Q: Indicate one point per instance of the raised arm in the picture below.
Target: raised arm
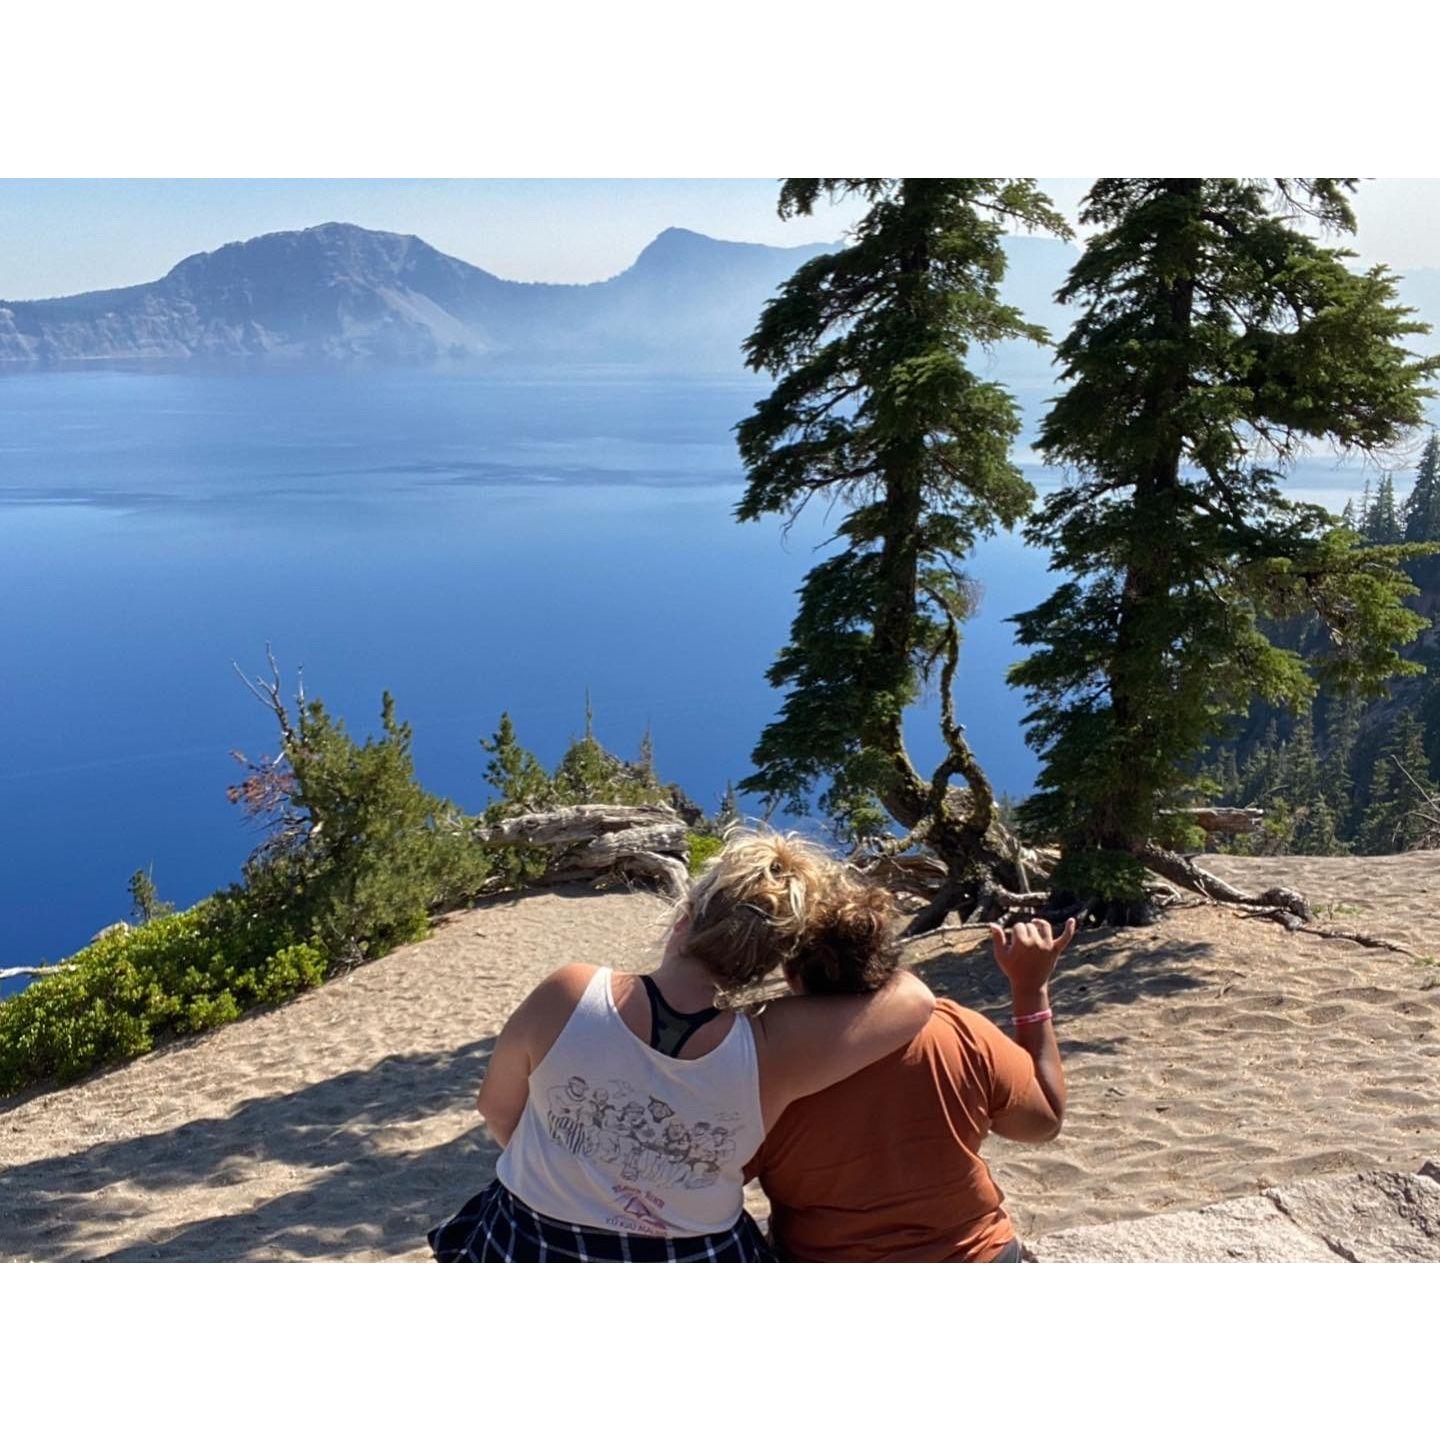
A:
(1027, 956)
(809, 1042)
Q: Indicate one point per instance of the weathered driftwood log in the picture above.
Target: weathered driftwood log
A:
(919, 874)
(1222, 819)
(586, 842)
(16, 971)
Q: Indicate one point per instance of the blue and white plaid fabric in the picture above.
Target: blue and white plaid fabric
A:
(494, 1228)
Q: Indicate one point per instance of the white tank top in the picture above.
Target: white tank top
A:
(616, 1136)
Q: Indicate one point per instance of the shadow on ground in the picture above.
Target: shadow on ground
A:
(1091, 976)
(363, 1185)
(358, 1186)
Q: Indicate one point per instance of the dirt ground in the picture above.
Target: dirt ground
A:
(1207, 1057)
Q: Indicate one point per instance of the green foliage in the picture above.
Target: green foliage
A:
(519, 780)
(360, 854)
(1382, 520)
(1215, 339)
(1327, 770)
(1422, 505)
(1391, 820)
(521, 785)
(145, 901)
(702, 848)
(175, 975)
(1100, 874)
(876, 406)
(587, 774)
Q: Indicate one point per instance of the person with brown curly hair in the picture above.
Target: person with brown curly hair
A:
(886, 1164)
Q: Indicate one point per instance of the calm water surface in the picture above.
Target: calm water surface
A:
(472, 545)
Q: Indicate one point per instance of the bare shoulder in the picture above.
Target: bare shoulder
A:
(549, 1004)
(568, 980)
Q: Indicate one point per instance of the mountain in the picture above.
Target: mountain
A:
(340, 294)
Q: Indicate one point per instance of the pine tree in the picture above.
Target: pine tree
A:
(1391, 822)
(729, 811)
(1382, 525)
(1342, 732)
(1215, 339)
(876, 406)
(1422, 505)
(519, 780)
(1320, 834)
(145, 902)
(1347, 515)
(1302, 774)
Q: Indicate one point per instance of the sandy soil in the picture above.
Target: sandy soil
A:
(1207, 1057)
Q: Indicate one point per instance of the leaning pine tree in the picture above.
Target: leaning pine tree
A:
(875, 407)
(1216, 339)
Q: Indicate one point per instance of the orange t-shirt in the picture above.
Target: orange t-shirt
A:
(886, 1165)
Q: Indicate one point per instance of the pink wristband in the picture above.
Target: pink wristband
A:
(1034, 1019)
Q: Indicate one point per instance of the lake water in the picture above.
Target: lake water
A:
(473, 545)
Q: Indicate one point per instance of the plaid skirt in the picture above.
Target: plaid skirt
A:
(496, 1228)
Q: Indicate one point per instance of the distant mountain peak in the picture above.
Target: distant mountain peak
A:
(676, 247)
(338, 294)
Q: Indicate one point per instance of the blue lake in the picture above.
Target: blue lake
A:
(471, 544)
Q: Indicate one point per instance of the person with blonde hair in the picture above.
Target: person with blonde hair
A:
(627, 1105)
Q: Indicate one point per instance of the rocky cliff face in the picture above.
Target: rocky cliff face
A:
(340, 294)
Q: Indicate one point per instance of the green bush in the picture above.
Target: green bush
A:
(360, 855)
(702, 847)
(1100, 874)
(176, 975)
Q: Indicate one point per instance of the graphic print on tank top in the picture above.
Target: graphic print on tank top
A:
(638, 1136)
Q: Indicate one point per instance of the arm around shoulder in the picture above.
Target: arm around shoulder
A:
(810, 1042)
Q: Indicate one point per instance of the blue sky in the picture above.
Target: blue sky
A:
(62, 236)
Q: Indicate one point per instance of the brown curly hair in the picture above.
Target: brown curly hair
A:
(849, 946)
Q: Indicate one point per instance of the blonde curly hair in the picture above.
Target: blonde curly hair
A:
(752, 905)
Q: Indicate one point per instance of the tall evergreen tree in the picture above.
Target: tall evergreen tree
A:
(1341, 733)
(1422, 505)
(1216, 338)
(1383, 525)
(1392, 820)
(877, 406)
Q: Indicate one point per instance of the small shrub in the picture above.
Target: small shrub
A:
(179, 974)
(1101, 874)
(702, 847)
(359, 854)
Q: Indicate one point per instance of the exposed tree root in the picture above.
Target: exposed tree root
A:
(1331, 932)
(1183, 886)
(1185, 873)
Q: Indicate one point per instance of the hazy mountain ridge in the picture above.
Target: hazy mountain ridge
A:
(339, 294)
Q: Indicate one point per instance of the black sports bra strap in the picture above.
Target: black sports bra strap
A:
(671, 1028)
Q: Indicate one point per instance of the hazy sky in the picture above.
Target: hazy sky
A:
(62, 236)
